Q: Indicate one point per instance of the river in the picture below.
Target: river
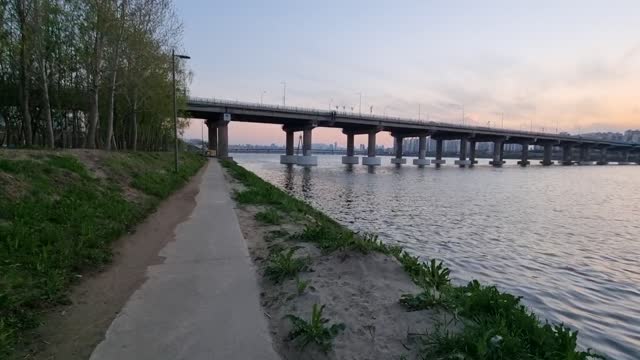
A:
(566, 239)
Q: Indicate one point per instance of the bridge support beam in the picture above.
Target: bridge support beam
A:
(422, 160)
(604, 159)
(307, 159)
(212, 134)
(624, 160)
(524, 158)
(350, 159)
(585, 155)
(472, 153)
(498, 153)
(371, 159)
(548, 152)
(398, 160)
(289, 158)
(462, 160)
(567, 154)
(438, 161)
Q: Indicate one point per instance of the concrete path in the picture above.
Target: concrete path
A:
(202, 302)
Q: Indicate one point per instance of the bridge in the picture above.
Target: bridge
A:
(218, 113)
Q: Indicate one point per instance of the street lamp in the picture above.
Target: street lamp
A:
(175, 105)
(360, 104)
(284, 93)
(261, 96)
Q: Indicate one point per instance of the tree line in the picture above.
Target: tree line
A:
(88, 73)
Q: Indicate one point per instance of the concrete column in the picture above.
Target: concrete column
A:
(603, 157)
(585, 155)
(212, 131)
(289, 158)
(371, 159)
(307, 159)
(350, 159)
(462, 162)
(567, 154)
(421, 161)
(498, 153)
(625, 157)
(472, 153)
(524, 158)
(438, 161)
(548, 152)
(223, 140)
(398, 160)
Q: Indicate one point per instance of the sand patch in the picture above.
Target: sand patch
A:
(360, 291)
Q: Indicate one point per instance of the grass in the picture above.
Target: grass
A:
(315, 331)
(58, 221)
(495, 325)
(269, 216)
(283, 265)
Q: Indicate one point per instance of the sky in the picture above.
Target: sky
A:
(567, 65)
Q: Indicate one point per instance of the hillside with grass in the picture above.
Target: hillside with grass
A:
(59, 214)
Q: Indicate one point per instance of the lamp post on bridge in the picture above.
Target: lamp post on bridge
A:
(284, 93)
(175, 105)
(262, 95)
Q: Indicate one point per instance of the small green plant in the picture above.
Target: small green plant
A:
(301, 285)
(269, 216)
(283, 265)
(316, 331)
(434, 275)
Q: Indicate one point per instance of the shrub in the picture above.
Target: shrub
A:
(316, 331)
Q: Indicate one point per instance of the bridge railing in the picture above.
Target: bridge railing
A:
(399, 120)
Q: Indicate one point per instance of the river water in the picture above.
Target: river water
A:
(567, 239)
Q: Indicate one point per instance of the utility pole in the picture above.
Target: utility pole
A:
(175, 105)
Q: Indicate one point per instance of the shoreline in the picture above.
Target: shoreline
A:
(428, 316)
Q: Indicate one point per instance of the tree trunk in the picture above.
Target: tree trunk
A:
(94, 86)
(46, 107)
(134, 120)
(24, 74)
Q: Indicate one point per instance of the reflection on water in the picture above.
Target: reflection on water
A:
(567, 239)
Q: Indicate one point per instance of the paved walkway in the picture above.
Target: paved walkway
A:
(203, 301)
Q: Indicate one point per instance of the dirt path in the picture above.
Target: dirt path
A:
(72, 332)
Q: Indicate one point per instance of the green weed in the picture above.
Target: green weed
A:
(269, 216)
(283, 265)
(316, 331)
(301, 285)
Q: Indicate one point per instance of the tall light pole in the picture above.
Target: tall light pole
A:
(284, 93)
(419, 105)
(502, 118)
(262, 95)
(462, 115)
(360, 104)
(175, 105)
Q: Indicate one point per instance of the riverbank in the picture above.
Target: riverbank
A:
(59, 214)
(408, 309)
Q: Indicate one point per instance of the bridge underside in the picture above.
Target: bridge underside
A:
(218, 114)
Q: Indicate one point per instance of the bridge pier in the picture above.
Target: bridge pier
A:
(604, 158)
(524, 158)
(498, 153)
(462, 162)
(438, 161)
(398, 160)
(422, 160)
(307, 159)
(548, 152)
(472, 153)
(585, 155)
(212, 132)
(567, 154)
(350, 159)
(371, 159)
(289, 158)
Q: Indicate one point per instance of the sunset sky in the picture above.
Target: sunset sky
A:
(570, 64)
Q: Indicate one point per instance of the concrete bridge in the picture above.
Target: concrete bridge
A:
(575, 149)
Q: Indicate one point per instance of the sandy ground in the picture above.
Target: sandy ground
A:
(361, 291)
(72, 332)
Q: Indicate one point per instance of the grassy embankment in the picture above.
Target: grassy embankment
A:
(494, 325)
(58, 219)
